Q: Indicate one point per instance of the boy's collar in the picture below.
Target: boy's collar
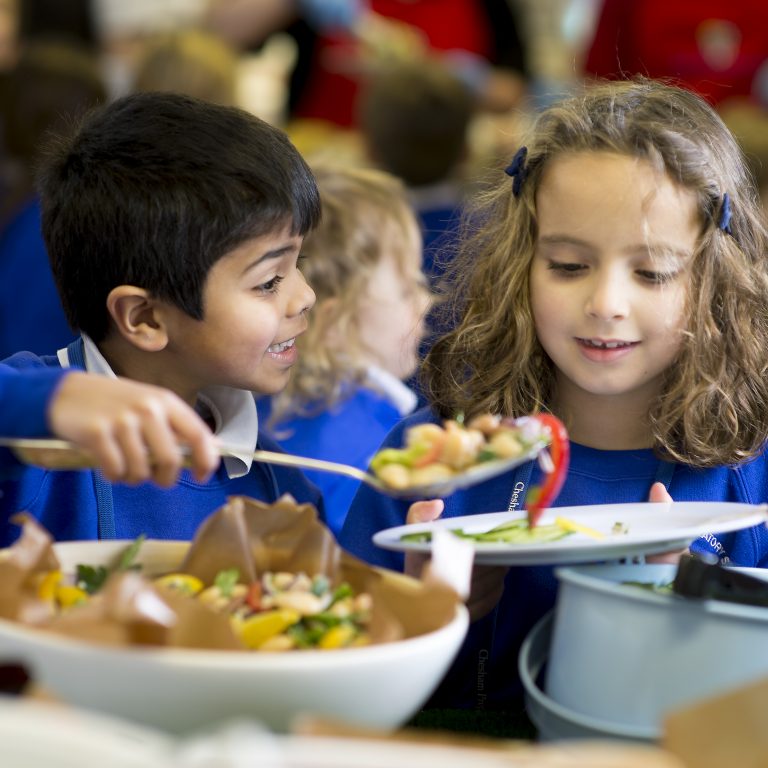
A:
(233, 410)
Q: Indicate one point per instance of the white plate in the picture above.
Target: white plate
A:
(652, 528)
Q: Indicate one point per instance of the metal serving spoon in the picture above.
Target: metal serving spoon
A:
(63, 455)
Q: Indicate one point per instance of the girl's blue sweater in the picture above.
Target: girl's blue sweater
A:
(485, 673)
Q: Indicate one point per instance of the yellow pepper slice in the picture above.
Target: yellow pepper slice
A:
(182, 582)
(68, 595)
(46, 586)
(258, 628)
(337, 637)
(574, 527)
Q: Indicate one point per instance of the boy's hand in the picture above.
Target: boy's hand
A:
(134, 431)
(487, 580)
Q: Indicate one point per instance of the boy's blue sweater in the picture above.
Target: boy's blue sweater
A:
(65, 502)
(485, 673)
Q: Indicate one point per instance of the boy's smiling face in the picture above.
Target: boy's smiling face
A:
(255, 302)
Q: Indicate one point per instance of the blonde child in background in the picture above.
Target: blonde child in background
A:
(616, 278)
(346, 391)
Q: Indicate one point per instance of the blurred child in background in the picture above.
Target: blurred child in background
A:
(51, 84)
(190, 61)
(414, 119)
(346, 391)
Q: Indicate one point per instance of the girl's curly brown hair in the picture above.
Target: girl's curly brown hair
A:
(713, 408)
(366, 217)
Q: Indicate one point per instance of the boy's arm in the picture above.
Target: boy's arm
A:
(121, 423)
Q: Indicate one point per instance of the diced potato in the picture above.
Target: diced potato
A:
(278, 643)
(424, 433)
(304, 603)
(505, 444)
(461, 446)
(487, 423)
(394, 475)
(432, 473)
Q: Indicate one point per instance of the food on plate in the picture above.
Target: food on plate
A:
(518, 531)
(515, 531)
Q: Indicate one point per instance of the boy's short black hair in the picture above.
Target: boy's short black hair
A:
(153, 189)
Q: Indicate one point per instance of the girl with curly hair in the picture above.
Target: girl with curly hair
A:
(616, 277)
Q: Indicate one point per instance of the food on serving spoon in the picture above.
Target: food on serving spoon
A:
(433, 453)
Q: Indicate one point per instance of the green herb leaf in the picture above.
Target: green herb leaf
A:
(91, 578)
(342, 591)
(226, 580)
(125, 563)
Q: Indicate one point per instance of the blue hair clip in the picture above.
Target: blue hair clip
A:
(518, 170)
(725, 215)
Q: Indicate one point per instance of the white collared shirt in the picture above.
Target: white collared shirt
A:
(233, 411)
(400, 395)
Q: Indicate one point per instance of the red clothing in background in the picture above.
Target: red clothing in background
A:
(716, 48)
(461, 25)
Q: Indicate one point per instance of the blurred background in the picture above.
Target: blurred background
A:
(434, 91)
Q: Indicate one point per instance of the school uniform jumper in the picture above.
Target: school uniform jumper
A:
(350, 432)
(83, 505)
(485, 673)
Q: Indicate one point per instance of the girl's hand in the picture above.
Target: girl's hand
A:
(134, 431)
(421, 512)
(487, 580)
(659, 494)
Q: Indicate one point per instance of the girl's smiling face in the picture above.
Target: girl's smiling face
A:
(609, 277)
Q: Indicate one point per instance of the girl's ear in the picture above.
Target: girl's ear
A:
(137, 317)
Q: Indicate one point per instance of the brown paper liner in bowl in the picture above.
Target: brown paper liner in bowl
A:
(245, 534)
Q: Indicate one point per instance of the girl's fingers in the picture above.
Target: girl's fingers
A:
(425, 511)
(421, 512)
(659, 493)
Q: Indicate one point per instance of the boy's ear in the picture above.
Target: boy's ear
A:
(137, 317)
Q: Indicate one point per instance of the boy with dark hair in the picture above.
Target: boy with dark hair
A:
(174, 228)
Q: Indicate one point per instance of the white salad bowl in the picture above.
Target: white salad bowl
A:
(181, 690)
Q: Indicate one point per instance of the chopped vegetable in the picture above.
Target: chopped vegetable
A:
(433, 453)
(573, 526)
(513, 532)
(539, 498)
